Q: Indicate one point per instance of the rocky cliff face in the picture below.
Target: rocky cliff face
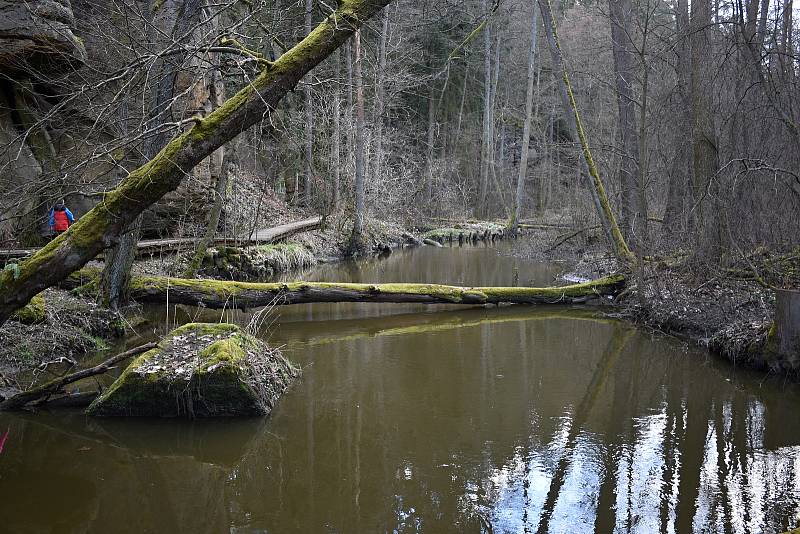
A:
(37, 46)
(69, 134)
(36, 37)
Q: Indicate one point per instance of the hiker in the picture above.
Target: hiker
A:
(60, 218)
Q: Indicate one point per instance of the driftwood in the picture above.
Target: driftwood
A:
(45, 390)
(230, 294)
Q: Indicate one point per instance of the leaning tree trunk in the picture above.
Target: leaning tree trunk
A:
(526, 129)
(598, 192)
(102, 226)
(356, 240)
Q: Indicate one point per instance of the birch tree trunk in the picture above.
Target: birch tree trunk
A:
(356, 240)
(526, 129)
(102, 226)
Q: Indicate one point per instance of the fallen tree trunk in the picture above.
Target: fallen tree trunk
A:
(102, 226)
(45, 390)
(227, 294)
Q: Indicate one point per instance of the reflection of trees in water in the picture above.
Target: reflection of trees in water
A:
(500, 421)
(655, 467)
(681, 450)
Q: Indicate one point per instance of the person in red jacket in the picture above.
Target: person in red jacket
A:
(60, 218)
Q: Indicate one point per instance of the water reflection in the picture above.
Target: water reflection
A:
(482, 420)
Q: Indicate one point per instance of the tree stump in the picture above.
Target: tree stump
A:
(787, 322)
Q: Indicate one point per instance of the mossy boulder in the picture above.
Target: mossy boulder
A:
(256, 263)
(200, 370)
(32, 313)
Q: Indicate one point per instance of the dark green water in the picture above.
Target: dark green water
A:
(406, 419)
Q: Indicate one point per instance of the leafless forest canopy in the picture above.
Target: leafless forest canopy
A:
(691, 113)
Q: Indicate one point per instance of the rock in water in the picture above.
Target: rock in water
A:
(200, 370)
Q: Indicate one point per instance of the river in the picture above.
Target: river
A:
(433, 419)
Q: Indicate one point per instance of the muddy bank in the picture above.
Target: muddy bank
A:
(72, 327)
(729, 310)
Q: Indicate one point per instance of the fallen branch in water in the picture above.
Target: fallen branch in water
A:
(230, 294)
(45, 390)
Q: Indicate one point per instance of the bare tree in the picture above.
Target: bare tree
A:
(526, 129)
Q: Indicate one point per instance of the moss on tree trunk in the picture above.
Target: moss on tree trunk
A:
(101, 227)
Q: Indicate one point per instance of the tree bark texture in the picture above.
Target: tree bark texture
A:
(675, 216)
(787, 322)
(336, 142)
(360, 149)
(380, 96)
(101, 227)
(483, 180)
(219, 178)
(709, 211)
(620, 13)
(526, 129)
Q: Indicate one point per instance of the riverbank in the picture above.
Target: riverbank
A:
(727, 310)
(70, 327)
(73, 324)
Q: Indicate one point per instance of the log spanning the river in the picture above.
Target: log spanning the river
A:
(243, 295)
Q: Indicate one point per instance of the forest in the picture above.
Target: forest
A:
(455, 265)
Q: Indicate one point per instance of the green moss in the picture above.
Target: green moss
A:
(33, 312)
(225, 351)
(219, 385)
(146, 184)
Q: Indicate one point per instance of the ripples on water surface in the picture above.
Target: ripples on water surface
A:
(406, 419)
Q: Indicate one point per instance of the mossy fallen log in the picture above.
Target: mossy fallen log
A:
(229, 294)
(33, 312)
